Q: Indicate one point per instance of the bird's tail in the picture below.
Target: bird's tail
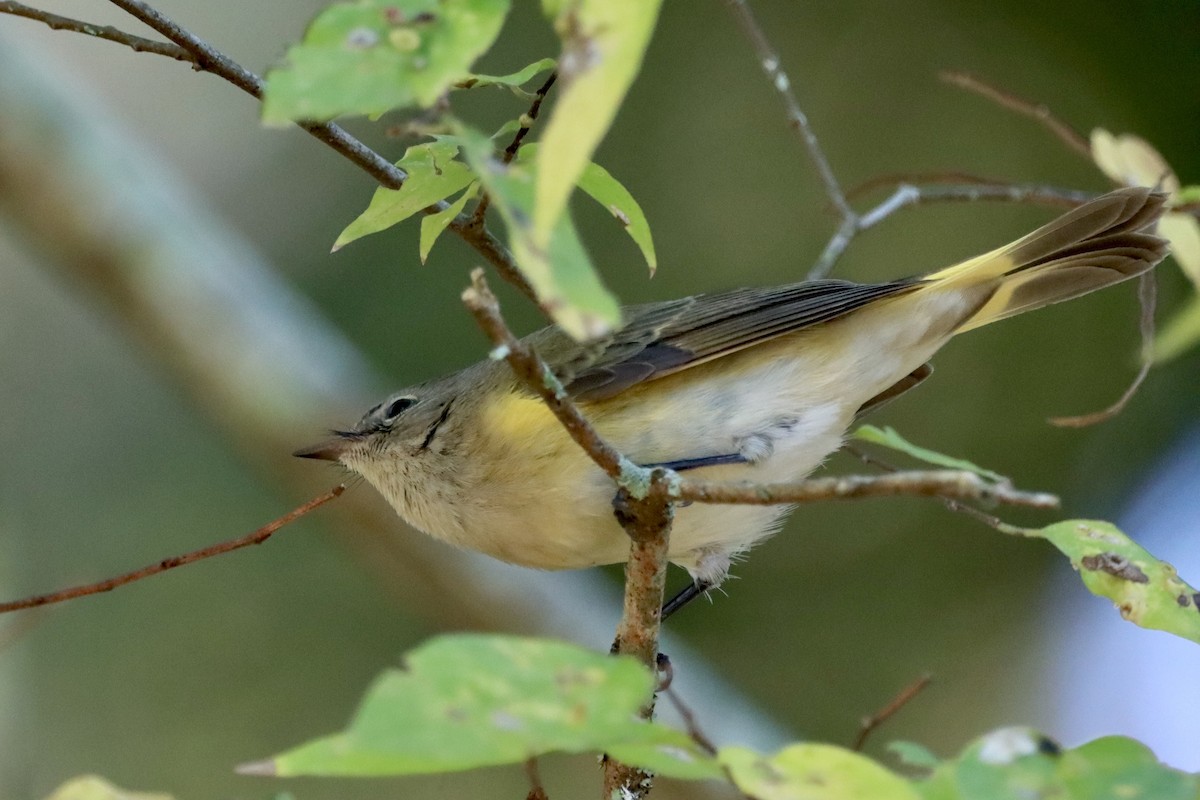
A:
(1102, 242)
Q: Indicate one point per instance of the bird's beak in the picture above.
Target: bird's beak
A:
(330, 450)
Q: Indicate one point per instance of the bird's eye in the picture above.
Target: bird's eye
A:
(398, 406)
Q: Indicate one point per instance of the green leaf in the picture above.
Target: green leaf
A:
(471, 700)
(1148, 592)
(888, 437)
(1179, 334)
(673, 755)
(93, 787)
(561, 274)
(1019, 762)
(372, 56)
(512, 81)
(433, 225)
(1188, 194)
(606, 190)
(603, 45)
(913, 754)
(433, 175)
(813, 772)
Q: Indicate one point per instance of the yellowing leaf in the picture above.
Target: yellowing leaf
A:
(603, 45)
(606, 190)
(561, 273)
(1131, 161)
(813, 772)
(93, 787)
(1183, 232)
(1180, 334)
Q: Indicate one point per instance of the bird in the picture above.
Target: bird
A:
(753, 384)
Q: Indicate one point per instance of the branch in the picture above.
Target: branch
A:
(510, 152)
(906, 695)
(60, 23)
(950, 484)
(644, 507)
(1148, 300)
(185, 46)
(1068, 135)
(534, 373)
(255, 537)
(768, 58)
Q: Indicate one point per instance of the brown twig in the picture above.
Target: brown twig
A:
(57, 22)
(534, 373)
(956, 506)
(185, 46)
(929, 187)
(1148, 300)
(644, 507)
(1037, 111)
(768, 59)
(906, 695)
(255, 537)
(536, 790)
(951, 484)
(666, 671)
(510, 152)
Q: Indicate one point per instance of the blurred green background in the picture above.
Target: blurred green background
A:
(110, 461)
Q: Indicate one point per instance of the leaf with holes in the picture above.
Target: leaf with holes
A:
(1020, 762)
(1148, 592)
(470, 700)
(372, 56)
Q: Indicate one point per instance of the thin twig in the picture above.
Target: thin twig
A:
(510, 152)
(956, 506)
(1148, 300)
(768, 59)
(906, 695)
(57, 22)
(536, 790)
(935, 187)
(906, 195)
(645, 516)
(208, 59)
(952, 484)
(534, 373)
(1068, 135)
(666, 671)
(255, 537)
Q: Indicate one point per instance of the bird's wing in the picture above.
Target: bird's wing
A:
(659, 339)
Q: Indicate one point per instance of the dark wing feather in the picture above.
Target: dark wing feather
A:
(659, 339)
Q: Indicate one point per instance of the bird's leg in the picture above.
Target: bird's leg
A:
(696, 587)
(689, 593)
(703, 461)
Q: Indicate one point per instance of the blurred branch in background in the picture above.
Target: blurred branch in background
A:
(259, 360)
(186, 46)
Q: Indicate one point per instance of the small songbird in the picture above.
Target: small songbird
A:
(747, 385)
